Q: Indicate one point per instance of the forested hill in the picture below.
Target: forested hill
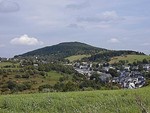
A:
(63, 50)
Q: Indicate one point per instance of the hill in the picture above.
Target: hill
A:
(108, 101)
(64, 50)
(73, 51)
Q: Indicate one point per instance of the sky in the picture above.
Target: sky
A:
(27, 25)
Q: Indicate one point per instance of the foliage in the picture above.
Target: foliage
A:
(113, 72)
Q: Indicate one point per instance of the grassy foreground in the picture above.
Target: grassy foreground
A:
(115, 101)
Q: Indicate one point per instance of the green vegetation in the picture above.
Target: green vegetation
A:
(106, 101)
(63, 50)
(26, 78)
(2, 64)
(107, 55)
(54, 77)
(129, 58)
(77, 57)
(8, 65)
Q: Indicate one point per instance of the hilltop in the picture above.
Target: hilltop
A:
(64, 50)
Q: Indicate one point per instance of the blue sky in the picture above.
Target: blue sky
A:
(26, 25)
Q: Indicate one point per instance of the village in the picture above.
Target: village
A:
(128, 77)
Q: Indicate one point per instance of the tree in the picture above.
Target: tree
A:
(145, 61)
(113, 72)
(140, 68)
(11, 85)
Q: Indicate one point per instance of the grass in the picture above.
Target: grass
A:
(53, 77)
(76, 57)
(106, 101)
(2, 64)
(129, 58)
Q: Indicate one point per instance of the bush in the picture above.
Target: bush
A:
(46, 86)
(25, 76)
(17, 76)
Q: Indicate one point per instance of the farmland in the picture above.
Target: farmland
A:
(129, 58)
(104, 101)
(76, 57)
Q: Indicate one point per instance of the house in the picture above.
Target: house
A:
(131, 86)
(35, 65)
(146, 67)
(127, 68)
(115, 80)
(130, 80)
(134, 67)
(106, 69)
(84, 71)
(105, 77)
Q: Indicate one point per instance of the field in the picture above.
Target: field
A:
(76, 57)
(129, 58)
(105, 101)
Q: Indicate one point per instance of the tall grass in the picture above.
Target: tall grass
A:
(115, 101)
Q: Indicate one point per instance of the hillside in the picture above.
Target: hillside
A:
(64, 50)
(108, 55)
(129, 58)
(26, 78)
(108, 101)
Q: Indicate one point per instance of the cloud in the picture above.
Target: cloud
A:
(78, 6)
(113, 40)
(26, 40)
(74, 25)
(7, 6)
(107, 16)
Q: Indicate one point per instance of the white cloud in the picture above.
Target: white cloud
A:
(113, 40)
(7, 6)
(26, 40)
(107, 16)
(110, 15)
(78, 6)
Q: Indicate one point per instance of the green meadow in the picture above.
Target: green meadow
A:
(76, 57)
(129, 58)
(104, 101)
